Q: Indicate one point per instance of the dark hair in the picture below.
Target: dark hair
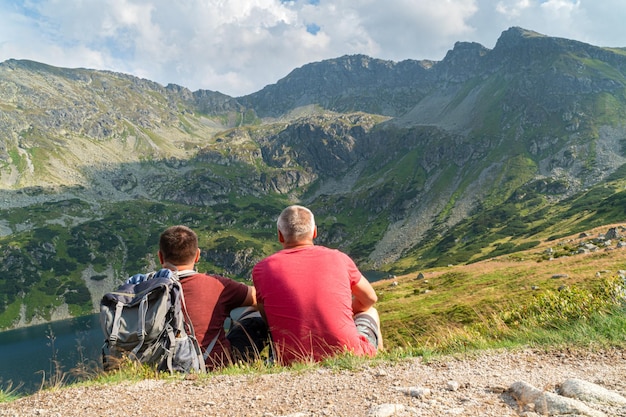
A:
(178, 245)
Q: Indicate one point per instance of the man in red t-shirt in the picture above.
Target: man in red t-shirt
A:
(209, 300)
(315, 300)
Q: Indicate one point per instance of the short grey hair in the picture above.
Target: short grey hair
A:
(296, 223)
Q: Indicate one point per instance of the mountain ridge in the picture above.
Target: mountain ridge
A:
(407, 165)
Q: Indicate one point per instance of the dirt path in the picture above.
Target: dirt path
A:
(473, 386)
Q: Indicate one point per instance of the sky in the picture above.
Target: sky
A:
(239, 46)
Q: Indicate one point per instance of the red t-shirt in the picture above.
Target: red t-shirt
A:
(307, 298)
(209, 300)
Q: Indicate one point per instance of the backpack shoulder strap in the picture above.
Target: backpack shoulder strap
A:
(209, 348)
(187, 320)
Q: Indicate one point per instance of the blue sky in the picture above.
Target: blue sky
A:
(239, 46)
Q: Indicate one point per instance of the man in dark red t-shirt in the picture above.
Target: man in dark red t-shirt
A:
(209, 300)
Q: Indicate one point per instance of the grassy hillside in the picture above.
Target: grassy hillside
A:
(550, 294)
(65, 255)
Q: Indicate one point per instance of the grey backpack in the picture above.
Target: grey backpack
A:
(145, 320)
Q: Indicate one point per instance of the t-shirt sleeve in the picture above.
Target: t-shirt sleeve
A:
(234, 293)
(353, 271)
(258, 272)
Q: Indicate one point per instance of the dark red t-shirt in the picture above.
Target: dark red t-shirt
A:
(209, 300)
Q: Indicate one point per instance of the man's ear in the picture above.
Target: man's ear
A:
(281, 238)
(161, 257)
(197, 256)
(314, 232)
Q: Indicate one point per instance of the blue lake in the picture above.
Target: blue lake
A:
(28, 355)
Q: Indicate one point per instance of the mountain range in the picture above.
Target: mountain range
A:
(406, 165)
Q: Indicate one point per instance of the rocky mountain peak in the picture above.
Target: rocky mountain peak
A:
(521, 48)
(462, 62)
(514, 36)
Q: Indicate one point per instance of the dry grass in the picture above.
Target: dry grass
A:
(448, 300)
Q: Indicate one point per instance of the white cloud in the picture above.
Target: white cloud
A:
(391, 29)
(512, 8)
(557, 15)
(238, 46)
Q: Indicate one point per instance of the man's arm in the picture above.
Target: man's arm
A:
(258, 305)
(363, 296)
(250, 298)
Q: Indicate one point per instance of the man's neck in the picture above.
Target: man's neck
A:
(295, 245)
(186, 267)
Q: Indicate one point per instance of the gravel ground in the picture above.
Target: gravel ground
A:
(476, 385)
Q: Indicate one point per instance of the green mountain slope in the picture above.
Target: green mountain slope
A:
(407, 165)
